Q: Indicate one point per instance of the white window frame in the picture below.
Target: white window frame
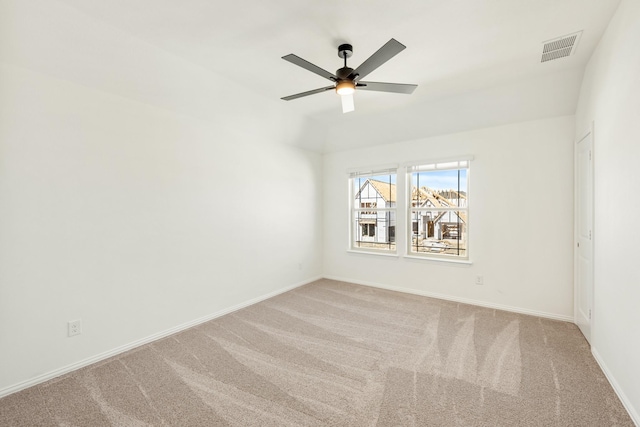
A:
(355, 208)
(457, 163)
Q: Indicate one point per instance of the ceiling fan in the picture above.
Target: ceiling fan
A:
(346, 80)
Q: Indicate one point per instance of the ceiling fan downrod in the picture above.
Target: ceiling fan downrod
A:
(344, 51)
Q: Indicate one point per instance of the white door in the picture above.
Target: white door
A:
(584, 235)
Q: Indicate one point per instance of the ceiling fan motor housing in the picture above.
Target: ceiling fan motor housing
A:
(344, 73)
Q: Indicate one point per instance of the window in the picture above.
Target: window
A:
(369, 230)
(439, 209)
(373, 211)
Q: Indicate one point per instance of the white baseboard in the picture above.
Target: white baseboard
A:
(633, 413)
(118, 350)
(480, 303)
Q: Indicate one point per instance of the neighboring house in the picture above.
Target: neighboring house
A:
(437, 224)
(376, 226)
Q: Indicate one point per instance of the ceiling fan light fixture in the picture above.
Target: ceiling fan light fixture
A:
(347, 103)
(345, 87)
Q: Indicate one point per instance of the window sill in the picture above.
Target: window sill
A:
(355, 251)
(445, 260)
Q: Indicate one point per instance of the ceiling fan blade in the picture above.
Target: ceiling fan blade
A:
(307, 93)
(294, 59)
(385, 53)
(386, 87)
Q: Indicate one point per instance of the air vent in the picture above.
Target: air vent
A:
(560, 47)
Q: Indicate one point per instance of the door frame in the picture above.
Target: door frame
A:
(576, 231)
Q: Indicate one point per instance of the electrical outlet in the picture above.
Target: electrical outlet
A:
(479, 280)
(74, 327)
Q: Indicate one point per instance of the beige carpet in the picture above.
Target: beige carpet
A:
(338, 354)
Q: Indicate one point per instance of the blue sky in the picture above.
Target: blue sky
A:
(441, 180)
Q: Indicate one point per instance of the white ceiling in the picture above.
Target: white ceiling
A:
(477, 62)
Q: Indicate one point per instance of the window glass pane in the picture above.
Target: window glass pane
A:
(438, 210)
(373, 223)
(439, 232)
(375, 230)
(375, 191)
(439, 189)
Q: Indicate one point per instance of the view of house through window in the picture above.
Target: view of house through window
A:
(438, 206)
(373, 211)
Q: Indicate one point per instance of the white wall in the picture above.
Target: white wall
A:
(610, 98)
(520, 226)
(136, 207)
